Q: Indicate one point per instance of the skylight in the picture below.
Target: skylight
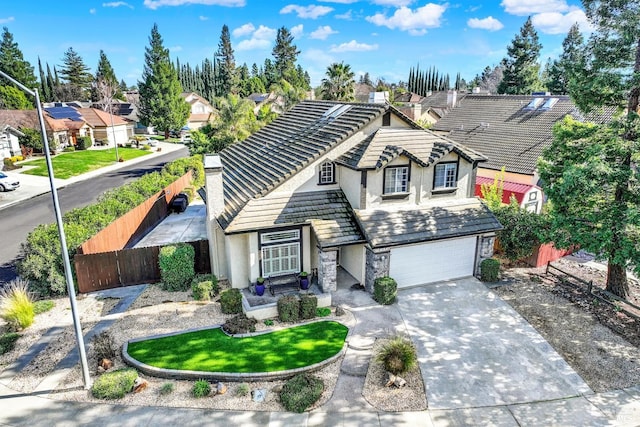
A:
(336, 111)
(535, 103)
(549, 103)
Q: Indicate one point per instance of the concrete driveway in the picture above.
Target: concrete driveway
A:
(476, 351)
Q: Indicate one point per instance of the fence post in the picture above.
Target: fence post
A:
(546, 272)
(590, 286)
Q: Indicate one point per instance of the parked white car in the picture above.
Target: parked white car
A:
(150, 142)
(8, 183)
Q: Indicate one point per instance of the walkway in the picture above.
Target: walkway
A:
(478, 351)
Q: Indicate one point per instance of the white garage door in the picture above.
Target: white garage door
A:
(433, 262)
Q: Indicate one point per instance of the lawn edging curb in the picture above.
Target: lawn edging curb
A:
(223, 376)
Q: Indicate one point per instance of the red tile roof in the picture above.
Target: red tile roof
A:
(510, 188)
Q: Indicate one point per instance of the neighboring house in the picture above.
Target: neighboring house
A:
(428, 109)
(125, 110)
(528, 196)
(511, 130)
(201, 110)
(57, 131)
(357, 187)
(109, 128)
(9, 143)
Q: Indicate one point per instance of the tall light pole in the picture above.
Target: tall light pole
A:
(63, 239)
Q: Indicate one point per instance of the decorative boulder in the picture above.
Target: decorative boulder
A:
(139, 385)
(221, 388)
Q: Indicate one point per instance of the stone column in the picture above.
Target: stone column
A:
(377, 265)
(485, 250)
(327, 270)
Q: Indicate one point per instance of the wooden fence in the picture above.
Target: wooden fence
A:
(127, 267)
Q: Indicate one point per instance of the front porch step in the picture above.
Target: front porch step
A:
(356, 362)
(358, 342)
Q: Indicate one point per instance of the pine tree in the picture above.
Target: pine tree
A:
(51, 84)
(105, 76)
(161, 103)
(562, 70)
(226, 64)
(45, 92)
(521, 67)
(76, 76)
(12, 61)
(284, 52)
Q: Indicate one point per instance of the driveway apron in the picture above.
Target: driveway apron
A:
(475, 350)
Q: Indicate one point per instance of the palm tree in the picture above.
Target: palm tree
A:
(339, 84)
(235, 116)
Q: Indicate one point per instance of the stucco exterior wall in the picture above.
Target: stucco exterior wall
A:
(352, 260)
(350, 184)
(237, 248)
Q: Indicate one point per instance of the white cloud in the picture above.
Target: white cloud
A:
(415, 22)
(243, 30)
(203, 18)
(261, 38)
(558, 23)
(488, 23)
(393, 3)
(117, 4)
(346, 16)
(353, 46)
(321, 33)
(297, 31)
(175, 49)
(339, 1)
(7, 20)
(530, 7)
(92, 11)
(154, 4)
(311, 11)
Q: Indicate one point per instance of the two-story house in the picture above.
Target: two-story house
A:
(359, 187)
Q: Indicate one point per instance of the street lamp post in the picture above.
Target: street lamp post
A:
(63, 239)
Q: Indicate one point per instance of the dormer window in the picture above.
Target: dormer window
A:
(327, 173)
(396, 180)
(446, 176)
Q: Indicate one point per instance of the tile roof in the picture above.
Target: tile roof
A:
(328, 212)
(501, 128)
(99, 118)
(21, 118)
(257, 165)
(406, 225)
(508, 188)
(421, 146)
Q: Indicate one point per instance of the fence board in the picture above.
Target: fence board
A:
(96, 271)
(139, 265)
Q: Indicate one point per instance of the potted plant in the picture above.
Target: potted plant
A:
(260, 286)
(304, 280)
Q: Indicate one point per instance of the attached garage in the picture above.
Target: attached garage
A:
(433, 262)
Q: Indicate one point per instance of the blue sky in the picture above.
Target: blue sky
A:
(382, 37)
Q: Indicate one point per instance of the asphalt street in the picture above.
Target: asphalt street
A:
(18, 220)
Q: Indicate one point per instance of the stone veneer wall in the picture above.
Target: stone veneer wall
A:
(328, 270)
(377, 265)
(485, 250)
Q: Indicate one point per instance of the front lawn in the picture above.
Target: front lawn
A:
(66, 165)
(211, 350)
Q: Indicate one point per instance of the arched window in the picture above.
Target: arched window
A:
(327, 173)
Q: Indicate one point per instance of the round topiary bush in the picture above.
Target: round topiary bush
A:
(398, 356)
(300, 392)
(489, 270)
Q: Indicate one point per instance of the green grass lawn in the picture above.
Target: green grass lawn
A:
(211, 350)
(66, 165)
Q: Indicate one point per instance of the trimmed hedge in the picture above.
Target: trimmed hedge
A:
(83, 142)
(385, 290)
(288, 308)
(41, 262)
(231, 301)
(201, 282)
(489, 270)
(177, 266)
(308, 306)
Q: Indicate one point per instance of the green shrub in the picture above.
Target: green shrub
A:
(41, 262)
(167, 388)
(243, 389)
(288, 308)
(201, 388)
(7, 342)
(115, 384)
(201, 290)
(83, 142)
(398, 356)
(323, 311)
(489, 270)
(177, 266)
(385, 290)
(240, 324)
(300, 392)
(16, 306)
(231, 301)
(104, 346)
(146, 147)
(69, 149)
(522, 230)
(211, 278)
(308, 306)
(268, 322)
(42, 306)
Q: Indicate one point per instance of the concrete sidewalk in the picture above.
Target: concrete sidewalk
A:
(32, 185)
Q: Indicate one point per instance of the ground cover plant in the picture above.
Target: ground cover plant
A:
(211, 350)
(300, 392)
(16, 306)
(7, 341)
(115, 384)
(78, 162)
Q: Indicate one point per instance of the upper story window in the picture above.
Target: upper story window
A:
(327, 173)
(386, 119)
(446, 175)
(396, 180)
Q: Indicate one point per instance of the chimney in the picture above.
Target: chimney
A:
(452, 98)
(214, 185)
